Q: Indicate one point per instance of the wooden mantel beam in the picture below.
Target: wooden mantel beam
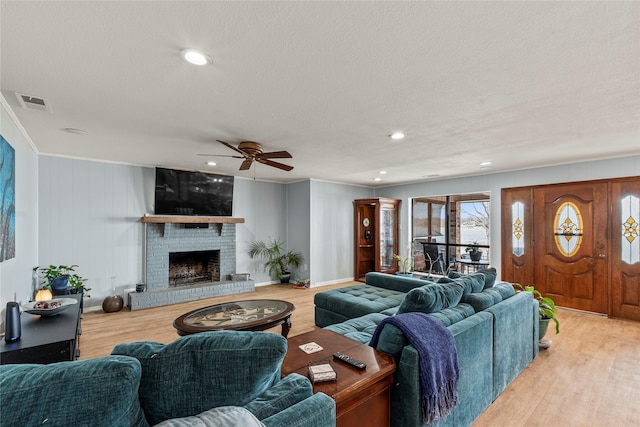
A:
(188, 219)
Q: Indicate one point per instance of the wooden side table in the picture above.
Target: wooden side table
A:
(362, 396)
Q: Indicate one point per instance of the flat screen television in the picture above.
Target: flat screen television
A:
(193, 193)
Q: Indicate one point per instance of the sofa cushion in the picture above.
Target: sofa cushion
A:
(393, 282)
(451, 315)
(470, 282)
(431, 298)
(205, 370)
(223, 416)
(489, 276)
(360, 329)
(72, 393)
(292, 389)
(489, 297)
(506, 289)
(358, 300)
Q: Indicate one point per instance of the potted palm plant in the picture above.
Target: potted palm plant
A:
(277, 259)
(546, 309)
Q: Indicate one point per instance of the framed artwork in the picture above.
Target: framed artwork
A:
(7, 200)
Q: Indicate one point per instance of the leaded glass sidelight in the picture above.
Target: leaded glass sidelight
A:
(517, 228)
(568, 229)
(630, 212)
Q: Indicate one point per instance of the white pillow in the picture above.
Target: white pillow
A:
(223, 416)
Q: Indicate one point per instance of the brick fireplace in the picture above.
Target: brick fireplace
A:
(186, 262)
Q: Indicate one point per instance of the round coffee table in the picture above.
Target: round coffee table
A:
(248, 315)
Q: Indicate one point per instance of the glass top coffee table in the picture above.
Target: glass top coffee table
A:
(248, 315)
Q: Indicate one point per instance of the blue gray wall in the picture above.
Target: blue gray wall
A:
(15, 273)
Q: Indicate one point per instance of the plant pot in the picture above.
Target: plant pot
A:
(59, 285)
(404, 274)
(285, 277)
(475, 256)
(543, 326)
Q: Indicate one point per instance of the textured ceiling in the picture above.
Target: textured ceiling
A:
(521, 84)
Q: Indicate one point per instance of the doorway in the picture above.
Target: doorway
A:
(572, 243)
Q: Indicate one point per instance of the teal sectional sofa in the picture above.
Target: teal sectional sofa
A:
(225, 378)
(495, 333)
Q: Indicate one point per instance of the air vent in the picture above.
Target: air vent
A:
(33, 102)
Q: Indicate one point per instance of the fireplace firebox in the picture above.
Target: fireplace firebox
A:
(188, 268)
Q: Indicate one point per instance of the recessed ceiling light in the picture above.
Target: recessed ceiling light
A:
(194, 57)
(382, 172)
(211, 163)
(485, 164)
(75, 131)
(377, 179)
(397, 135)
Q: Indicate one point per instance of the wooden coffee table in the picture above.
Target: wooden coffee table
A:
(362, 396)
(248, 315)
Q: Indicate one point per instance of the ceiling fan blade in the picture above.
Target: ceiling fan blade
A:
(275, 164)
(220, 155)
(230, 146)
(275, 155)
(246, 165)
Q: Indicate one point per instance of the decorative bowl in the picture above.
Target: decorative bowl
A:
(64, 304)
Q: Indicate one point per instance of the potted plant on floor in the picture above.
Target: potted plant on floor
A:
(277, 259)
(546, 309)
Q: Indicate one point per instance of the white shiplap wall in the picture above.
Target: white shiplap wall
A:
(90, 216)
(331, 219)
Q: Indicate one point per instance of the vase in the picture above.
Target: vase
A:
(112, 304)
(404, 274)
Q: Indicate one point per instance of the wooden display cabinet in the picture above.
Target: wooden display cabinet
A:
(376, 235)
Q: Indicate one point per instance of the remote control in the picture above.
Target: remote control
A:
(350, 360)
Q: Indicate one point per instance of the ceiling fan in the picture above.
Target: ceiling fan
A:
(252, 152)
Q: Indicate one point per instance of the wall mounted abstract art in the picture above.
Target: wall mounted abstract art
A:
(7, 200)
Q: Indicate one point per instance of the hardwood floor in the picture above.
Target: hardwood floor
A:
(590, 375)
(102, 331)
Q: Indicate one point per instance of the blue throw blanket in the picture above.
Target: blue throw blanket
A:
(438, 361)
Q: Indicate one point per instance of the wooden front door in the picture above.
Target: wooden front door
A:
(571, 246)
(578, 243)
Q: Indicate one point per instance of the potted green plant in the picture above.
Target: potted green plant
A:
(276, 258)
(404, 265)
(61, 278)
(473, 249)
(546, 309)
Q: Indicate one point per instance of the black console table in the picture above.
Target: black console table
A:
(45, 339)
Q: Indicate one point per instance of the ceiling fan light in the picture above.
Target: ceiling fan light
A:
(194, 57)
